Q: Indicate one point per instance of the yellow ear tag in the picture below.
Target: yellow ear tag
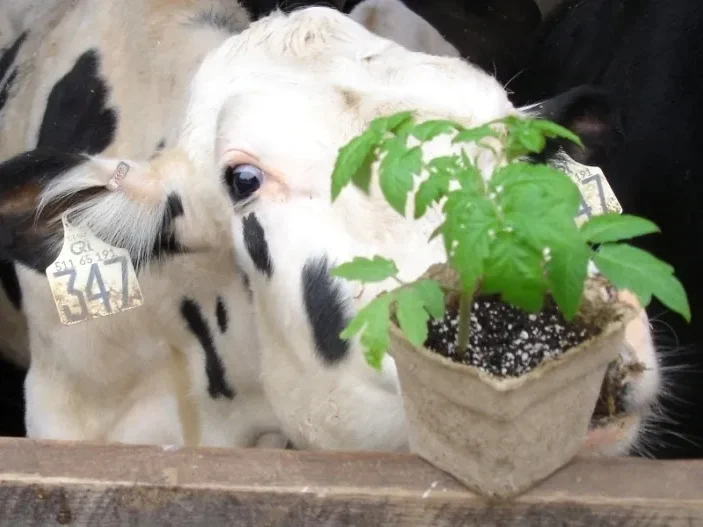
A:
(91, 279)
(597, 197)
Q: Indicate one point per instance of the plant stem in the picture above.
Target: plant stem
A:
(464, 319)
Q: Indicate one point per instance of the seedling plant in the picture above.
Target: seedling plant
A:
(512, 234)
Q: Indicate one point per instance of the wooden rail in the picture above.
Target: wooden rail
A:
(60, 483)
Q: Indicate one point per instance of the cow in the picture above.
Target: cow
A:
(646, 55)
(122, 93)
(232, 234)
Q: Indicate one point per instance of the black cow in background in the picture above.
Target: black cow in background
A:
(648, 55)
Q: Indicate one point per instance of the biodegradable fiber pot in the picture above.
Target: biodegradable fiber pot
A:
(499, 436)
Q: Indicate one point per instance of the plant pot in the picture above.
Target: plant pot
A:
(500, 436)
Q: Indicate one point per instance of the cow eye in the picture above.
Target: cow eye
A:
(243, 180)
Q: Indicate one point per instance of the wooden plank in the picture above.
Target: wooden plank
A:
(61, 483)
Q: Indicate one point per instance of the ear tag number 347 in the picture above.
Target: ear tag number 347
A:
(91, 279)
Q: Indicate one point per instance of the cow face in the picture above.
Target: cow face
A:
(251, 173)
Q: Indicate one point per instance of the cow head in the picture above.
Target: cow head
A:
(269, 110)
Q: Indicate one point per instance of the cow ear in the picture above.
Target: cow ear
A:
(588, 112)
(116, 199)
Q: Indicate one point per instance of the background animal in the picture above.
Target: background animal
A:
(648, 56)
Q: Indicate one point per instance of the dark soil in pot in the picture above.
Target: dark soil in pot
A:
(505, 341)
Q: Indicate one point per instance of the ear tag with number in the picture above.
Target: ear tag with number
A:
(597, 197)
(91, 279)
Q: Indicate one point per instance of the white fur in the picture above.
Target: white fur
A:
(284, 94)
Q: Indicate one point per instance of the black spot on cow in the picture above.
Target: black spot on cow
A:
(8, 57)
(24, 237)
(222, 315)
(255, 241)
(159, 148)
(10, 283)
(214, 368)
(5, 88)
(77, 118)
(325, 309)
(166, 244)
(247, 284)
(174, 205)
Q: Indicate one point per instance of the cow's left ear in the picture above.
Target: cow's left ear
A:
(588, 112)
(126, 203)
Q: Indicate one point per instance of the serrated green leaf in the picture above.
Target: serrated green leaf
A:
(412, 317)
(429, 191)
(432, 297)
(390, 123)
(376, 269)
(645, 275)
(527, 186)
(396, 173)
(372, 322)
(567, 270)
(430, 129)
(552, 129)
(543, 227)
(613, 227)
(469, 222)
(443, 166)
(531, 139)
(470, 135)
(514, 270)
(354, 161)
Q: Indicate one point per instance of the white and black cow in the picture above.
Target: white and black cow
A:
(120, 90)
(234, 215)
(649, 56)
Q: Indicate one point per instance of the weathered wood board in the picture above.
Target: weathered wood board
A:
(60, 483)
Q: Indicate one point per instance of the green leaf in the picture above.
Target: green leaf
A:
(612, 227)
(429, 191)
(524, 183)
(544, 228)
(396, 171)
(552, 129)
(372, 321)
(443, 166)
(432, 297)
(412, 317)
(645, 275)
(531, 139)
(366, 270)
(474, 134)
(390, 123)
(515, 271)
(354, 162)
(469, 222)
(430, 129)
(567, 270)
